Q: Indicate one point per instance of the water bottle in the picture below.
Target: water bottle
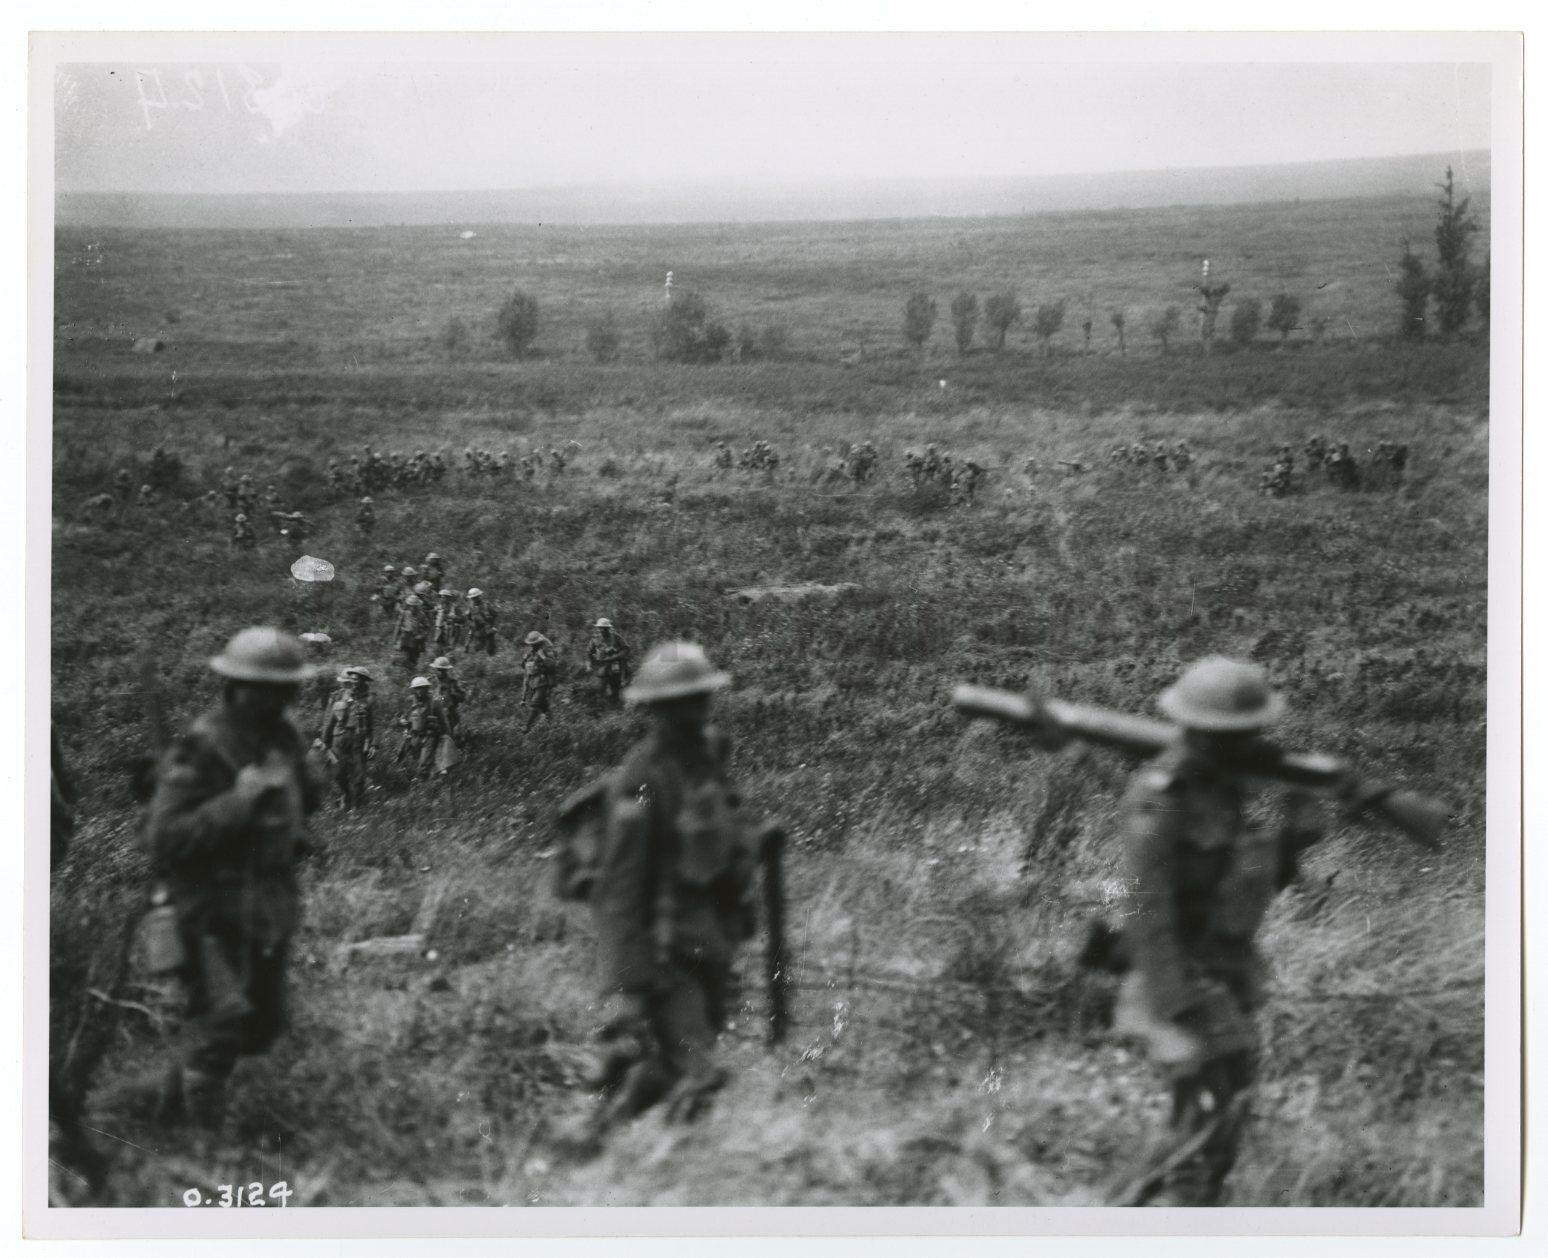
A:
(161, 945)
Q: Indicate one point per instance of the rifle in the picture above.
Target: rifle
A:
(770, 843)
(1054, 723)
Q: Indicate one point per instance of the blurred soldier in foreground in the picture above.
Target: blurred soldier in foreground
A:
(349, 736)
(672, 897)
(608, 657)
(426, 736)
(480, 622)
(537, 668)
(226, 827)
(1200, 880)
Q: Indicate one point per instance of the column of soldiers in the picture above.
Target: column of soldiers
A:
(1157, 455)
(1389, 461)
(232, 797)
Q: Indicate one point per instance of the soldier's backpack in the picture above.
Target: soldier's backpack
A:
(582, 823)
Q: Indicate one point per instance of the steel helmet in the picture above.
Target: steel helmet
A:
(366, 501)
(603, 623)
(441, 662)
(347, 675)
(241, 518)
(1222, 694)
(432, 557)
(421, 588)
(409, 570)
(419, 683)
(387, 567)
(413, 600)
(533, 638)
(360, 673)
(672, 670)
(263, 655)
(475, 592)
(448, 593)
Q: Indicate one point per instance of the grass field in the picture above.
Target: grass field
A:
(946, 1049)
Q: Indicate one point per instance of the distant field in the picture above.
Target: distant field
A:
(946, 1051)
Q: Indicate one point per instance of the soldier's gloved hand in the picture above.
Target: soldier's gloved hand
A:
(690, 1097)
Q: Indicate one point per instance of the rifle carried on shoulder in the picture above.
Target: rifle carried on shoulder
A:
(1054, 723)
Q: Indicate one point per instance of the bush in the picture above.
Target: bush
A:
(1455, 276)
(1163, 326)
(455, 339)
(774, 342)
(1246, 322)
(918, 319)
(683, 332)
(1120, 322)
(1413, 290)
(1000, 311)
(518, 323)
(1047, 322)
(964, 318)
(1284, 315)
(602, 337)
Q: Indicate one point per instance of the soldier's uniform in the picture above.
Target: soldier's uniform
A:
(242, 535)
(672, 898)
(1199, 881)
(480, 625)
(448, 622)
(389, 592)
(409, 637)
(608, 657)
(426, 733)
(434, 571)
(537, 667)
(349, 734)
(226, 845)
(449, 693)
(365, 517)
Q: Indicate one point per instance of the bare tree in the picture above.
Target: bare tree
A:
(918, 319)
(964, 318)
(1000, 311)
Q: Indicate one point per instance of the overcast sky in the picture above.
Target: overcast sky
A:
(742, 111)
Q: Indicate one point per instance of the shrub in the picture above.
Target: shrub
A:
(602, 337)
(683, 332)
(1284, 315)
(918, 319)
(1000, 311)
(1413, 290)
(1163, 326)
(518, 323)
(964, 318)
(1455, 276)
(1119, 322)
(1047, 321)
(1246, 322)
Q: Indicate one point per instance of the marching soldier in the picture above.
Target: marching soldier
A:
(672, 898)
(228, 487)
(388, 592)
(608, 657)
(349, 736)
(1201, 880)
(226, 826)
(435, 571)
(409, 635)
(449, 692)
(148, 497)
(480, 622)
(242, 535)
(123, 484)
(426, 740)
(448, 622)
(365, 517)
(537, 669)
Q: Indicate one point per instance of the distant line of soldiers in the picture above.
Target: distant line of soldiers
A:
(1389, 461)
(1157, 454)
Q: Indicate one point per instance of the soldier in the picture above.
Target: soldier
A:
(242, 535)
(271, 498)
(388, 591)
(228, 486)
(448, 622)
(480, 623)
(449, 692)
(365, 517)
(1342, 469)
(409, 633)
(226, 827)
(292, 526)
(1182, 455)
(1201, 880)
(434, 572)
(148, 497)
(123, 484)
(724, 460)
(426, 740)
(607, 656)
(537, 669)
(247, 496)
(349, 736)
(672, 897)
(410, 578)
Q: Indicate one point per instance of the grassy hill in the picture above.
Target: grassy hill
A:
(946, 1049)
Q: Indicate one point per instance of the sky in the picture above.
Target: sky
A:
(559, 111)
